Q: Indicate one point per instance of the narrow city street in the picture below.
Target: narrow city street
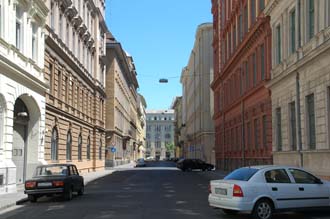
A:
(157, 191)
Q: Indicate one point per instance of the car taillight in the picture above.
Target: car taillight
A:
(237, 191)
(210, 191)
(58, 183)
(30, 185)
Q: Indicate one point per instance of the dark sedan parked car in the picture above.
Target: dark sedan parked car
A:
(193, 164)
(54, 179)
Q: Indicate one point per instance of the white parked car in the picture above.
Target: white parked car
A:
(261, 190)
(140, 162)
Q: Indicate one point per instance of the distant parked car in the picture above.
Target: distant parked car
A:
(261, 190)
(149, 159)
(140, 162)
(54, 179)
(193, 164)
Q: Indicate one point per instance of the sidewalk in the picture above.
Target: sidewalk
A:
(11, 199)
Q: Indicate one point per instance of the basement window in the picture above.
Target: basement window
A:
(1, 179)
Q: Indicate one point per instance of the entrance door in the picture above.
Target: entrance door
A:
(19, 140)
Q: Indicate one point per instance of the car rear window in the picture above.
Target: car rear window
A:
(242, 174)
(51, 171)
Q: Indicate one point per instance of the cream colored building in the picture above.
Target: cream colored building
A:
(300, 83)
(197, 98)
(75, 71)
(141, 126)
(22, 90)
(121, 105)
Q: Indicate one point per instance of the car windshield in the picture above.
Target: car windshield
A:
(51, 171)
(242, 174)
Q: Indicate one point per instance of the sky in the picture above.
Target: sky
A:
(159, 34)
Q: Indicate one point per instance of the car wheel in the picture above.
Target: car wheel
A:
(209, 169)
(263, 209)
(81, 190)
(229, 212)
(32, 198)
(68, 194)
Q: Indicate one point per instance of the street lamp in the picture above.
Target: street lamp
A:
(163, 80)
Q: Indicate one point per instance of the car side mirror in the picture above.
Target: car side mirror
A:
(318, 181)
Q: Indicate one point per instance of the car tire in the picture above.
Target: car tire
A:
(68, 194)
(32, 198)
(209, 169)
(263, 209)
(81, 190)
(229, 211)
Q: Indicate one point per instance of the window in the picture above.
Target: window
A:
(60, 25)
(278, 44)
(277, 176)
(256, 133)
(52, 15)
(240, 26)
(234, 37)
(100, 150)
(292, 31)
(311, 121)
(2, 124)
(278, 129)
(253, 11)
(54, 145)
(254, 67)
(19, 27)
(241, 82)
(246, 24)
(247, 75)
(264, 131)
(34, 41)
(241, 174)
(229, 43)
(74, 42)
(262, 61)
(248, 127)
(67, 34)
(69, 146)
(88, 148)
(311, 19)
(293, 139)
(261, 5)
(303, 177)
(80, 147)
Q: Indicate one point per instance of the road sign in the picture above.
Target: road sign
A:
(113, 149)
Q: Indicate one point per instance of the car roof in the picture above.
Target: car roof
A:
(57, 164)
(259, 167)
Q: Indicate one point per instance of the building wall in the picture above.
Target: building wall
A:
(74, 70)
(21, 78)
(302, 68)
(242, 103)
(198, 97)
(160, 123)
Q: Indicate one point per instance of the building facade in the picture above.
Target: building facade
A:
(141, 126)
(121, 104)
(22, 90)
(197, 97)
(74, 69)
(160, 134)
(178, 142)
(300, 83)
(242, 103)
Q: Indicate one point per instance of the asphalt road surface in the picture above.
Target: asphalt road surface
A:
(159, 191)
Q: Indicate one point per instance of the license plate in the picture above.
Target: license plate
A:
(44, 184)
(220, 191)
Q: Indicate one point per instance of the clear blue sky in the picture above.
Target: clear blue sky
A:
(159, 34)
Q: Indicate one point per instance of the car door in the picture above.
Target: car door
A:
(281, 188)
(310, 190)
(74, 177)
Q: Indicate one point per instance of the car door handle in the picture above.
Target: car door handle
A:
(301, 189)
(274, 188)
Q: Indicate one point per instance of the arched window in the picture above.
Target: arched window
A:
(69, 146)
(54, 145)
(80, 147)
(100, 150)
(88, 148)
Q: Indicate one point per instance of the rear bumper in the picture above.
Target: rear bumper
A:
(44, 191)
(237, 204)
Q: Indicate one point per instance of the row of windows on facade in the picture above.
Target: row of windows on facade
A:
(158, 136)
(310, 123)
(55, 147)
(77, 45)
(20, 26)
(159, 128)
(294, 29)
(81, 97)
(252, 70)
(155, 118)
(158, 144)
(257, 134)
(236, 34)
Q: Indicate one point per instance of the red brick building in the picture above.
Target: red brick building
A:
(242, 64)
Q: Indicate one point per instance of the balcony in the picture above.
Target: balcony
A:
(90, 42)
(86, 36)
(77, 21)
(65, 3)
(71, 12)
(82, 29)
